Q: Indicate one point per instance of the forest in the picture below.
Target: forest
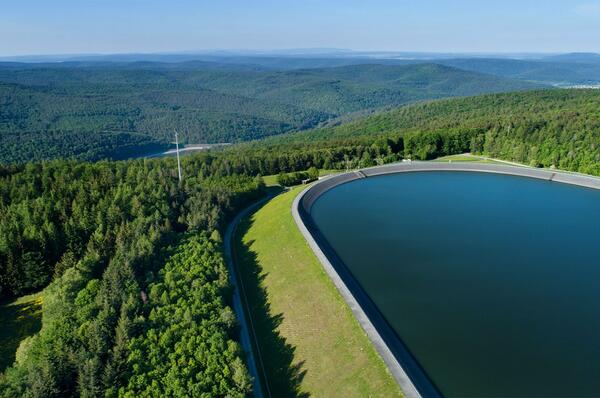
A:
(136, 294)
(545, 128)
(121, 108)
(23, 147)
(135, 283)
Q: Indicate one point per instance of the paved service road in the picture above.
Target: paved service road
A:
(253, 361)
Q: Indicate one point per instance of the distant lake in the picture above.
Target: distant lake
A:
(183, 149)
(491, 281)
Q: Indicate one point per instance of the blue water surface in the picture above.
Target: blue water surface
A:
(491, 281)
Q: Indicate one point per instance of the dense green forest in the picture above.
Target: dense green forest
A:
(137, 296)
(548, 128)
(25, 146)
(53, 111)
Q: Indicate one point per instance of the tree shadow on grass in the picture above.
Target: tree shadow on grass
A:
(275, 359)
(18, 320)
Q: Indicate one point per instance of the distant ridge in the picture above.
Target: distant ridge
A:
(575, 57)
(51, 104)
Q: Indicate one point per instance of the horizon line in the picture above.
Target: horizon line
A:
(299, 51)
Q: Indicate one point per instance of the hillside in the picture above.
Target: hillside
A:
(119, 108)
(559, 70)
(575, 57)
(347, 89)
(135, 293)
(548, 128)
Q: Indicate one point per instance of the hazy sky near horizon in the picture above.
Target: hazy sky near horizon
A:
(116, 26)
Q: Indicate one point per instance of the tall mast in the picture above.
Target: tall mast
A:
(178, 161)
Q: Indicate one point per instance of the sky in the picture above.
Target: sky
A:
(145, 26)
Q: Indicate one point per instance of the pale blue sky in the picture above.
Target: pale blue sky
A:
(115, 26)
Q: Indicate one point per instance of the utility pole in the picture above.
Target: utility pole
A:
(178, 161)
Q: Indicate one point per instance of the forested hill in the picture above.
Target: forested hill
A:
(563, 71)
(107, 110)
(548, 128)
(137, 299)
(346, 89)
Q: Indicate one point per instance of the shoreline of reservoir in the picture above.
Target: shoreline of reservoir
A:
(406, 370)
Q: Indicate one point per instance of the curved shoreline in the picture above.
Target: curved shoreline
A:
(412, 379)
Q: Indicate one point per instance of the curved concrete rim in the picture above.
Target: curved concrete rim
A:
(400, 368)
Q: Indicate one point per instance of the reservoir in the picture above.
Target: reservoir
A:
(490, 281)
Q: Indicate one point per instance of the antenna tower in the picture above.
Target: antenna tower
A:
(178, 161)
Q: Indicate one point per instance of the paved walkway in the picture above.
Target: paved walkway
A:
(254, 362)
(494, 160)
(238, 304)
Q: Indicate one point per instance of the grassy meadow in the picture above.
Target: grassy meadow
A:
(20, 318)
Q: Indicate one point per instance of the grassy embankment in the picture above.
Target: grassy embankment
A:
(308, 338)
(20, 318)
(271, 180)
(465, 158)
(310, 342)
